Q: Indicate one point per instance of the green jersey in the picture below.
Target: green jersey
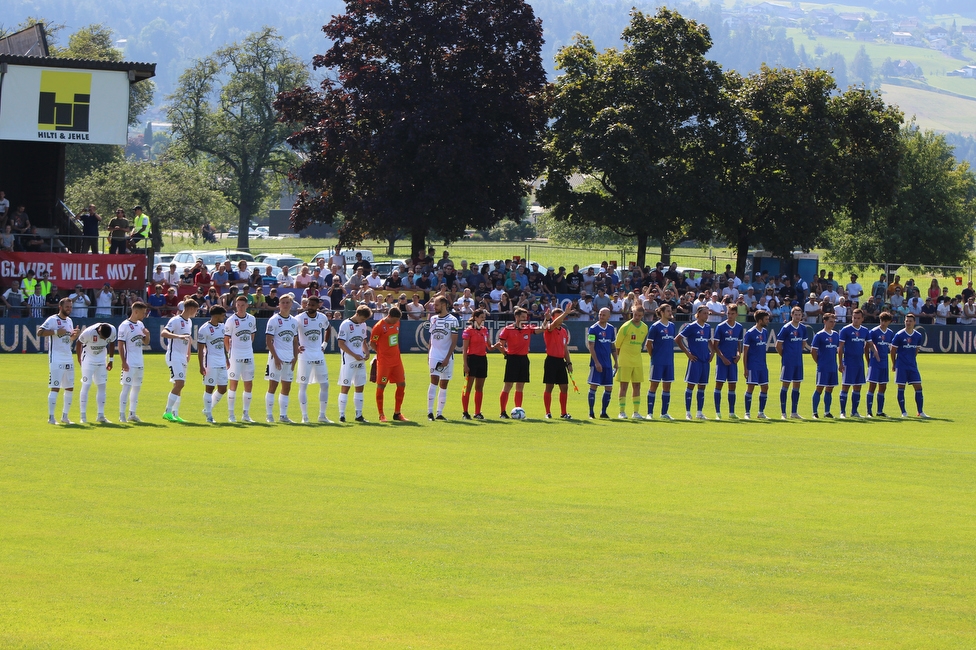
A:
(630, 343)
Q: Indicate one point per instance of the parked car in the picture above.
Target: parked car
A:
(385, 267)
(350, 255)
(278, 259)
(162, 259)
(189, 257)
(237, 256)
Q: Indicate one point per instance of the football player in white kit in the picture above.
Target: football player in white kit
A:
(133, 338)
(239, 332)
(61, 362)
(281, 337)
(353, 343)
(91, 347)
(313, 333)
(179, 332)
(213, 360)
(443, 341)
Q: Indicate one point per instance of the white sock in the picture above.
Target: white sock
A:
(231, 401)
(431, 394)
(283, 405)
(441, 401)
(100, 395)
(343, 400)
(358, 400)
(217, 396)
(176, 405)
(134, 399)
(247, 403)
(303, 399)
(52, 402)
(170, 401)
(83, 400)
(269, 404)
(69, 396)
(208, 403)
(323, 399)
(124, 398)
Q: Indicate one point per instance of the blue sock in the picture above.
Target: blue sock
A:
(731, 402)
(762, 402)
(843, 401)
(855, 401)
(591, 399)
(881, 402)
(701, 399)
(689, 393)
(718, 400)
(828, 398)
(816, 402)
(871, 403)
(665, 402)
(901, 398)
(651, 396)
(606, 400)
(782, 400)
(795, 398)
(748, 403)
(918, 400)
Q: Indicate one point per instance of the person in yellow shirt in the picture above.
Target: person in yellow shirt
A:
(630, 360)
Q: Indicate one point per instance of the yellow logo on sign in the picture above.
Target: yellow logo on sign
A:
(65, 101)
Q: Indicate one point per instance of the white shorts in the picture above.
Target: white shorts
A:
(177, 370)
(61, 375)
(313, 372)
(95, 373)
(241, 370)
(271, 372)
(133, 377)
(352, 374)
(445, 373)
(215, 377)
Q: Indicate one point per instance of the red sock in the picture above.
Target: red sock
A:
(563, 398)
(547, 400)
(504, 401)
(379, 401)
(399, 397)
(518, 399)
(477, 401)
(464, 400)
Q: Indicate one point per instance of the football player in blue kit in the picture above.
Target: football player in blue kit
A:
(881, 337)
(754, 360)
(791, 340)
(727, 347)
(824, 352)
(904, 354)
(694, 342)
(660, 345)
(854, 341)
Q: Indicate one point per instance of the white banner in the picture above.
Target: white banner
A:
(64, 105)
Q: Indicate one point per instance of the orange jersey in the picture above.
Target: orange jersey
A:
(386, 342)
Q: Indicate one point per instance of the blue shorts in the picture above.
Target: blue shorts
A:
(907, 376)
(758, 376)
(791, 373)
(602, 378)
(697, 372)
(729, 373)
(662, 372)
(853, 374)
(878, 374)
(826, 378)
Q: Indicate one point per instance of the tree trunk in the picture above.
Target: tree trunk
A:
(641, 250)
(666, 253)
(244, 227)
(392, 246)
(418, 239)
(741, 253)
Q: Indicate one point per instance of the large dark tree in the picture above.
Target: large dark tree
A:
(636, 121)
(431, 123)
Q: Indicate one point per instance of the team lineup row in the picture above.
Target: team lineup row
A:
(296, 346)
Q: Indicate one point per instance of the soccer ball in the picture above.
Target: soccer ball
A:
(518, 413)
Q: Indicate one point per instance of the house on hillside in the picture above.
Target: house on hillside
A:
(848, 22)
(969, 32)
(969, 72)
(906, 68)
(938, 31)
(901, 38)
(939, 44)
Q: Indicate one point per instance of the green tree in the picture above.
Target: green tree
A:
(932, 218)
(636, 122)
(862, 70)
(223, 113)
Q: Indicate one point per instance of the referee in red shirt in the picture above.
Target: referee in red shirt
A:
(515, 340)
(557, 363)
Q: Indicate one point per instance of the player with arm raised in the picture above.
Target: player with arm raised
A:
(91, 346)
(754, 345)
(179, 332)
(660, 347)
(727, 347)
(240, 329)
(213, 360)
(281, 337)
(824, 352)
(790, 343)
(61, 363)
(694, 341)
(878, 377)
(440, 359)
(630, 360)
(133, 339)
(385, 340)
(353, 341)
(855, 341)
(904, 355)
(313, 334)
(603, 361)
(557, 364)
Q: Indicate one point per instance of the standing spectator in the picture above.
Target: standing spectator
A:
(4, 207)
(104, 300)
(36, 302)
(934, 291)
(880, 290)
(13, 302)
(118, 229)
(854, 291)
(20, 224)
(7, 239)
(89, 222)
(80, 302)
(338, 259)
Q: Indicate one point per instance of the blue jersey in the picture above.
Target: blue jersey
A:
(882, 341)
(826, 346)
(602, 340)
(661, 337)
(906, 349)
(756, 340)
(854, 339)
(696, 339)
(792, 339)
(728, 338)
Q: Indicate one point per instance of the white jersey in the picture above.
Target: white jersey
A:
(132, 333)
(93, 346)
(241, 332)
(354, 334)
(179, 349)
(284, 329)
(212, 336)
(60, 351)
(442, 328)
(311, 334)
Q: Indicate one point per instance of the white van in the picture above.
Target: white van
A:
(349, 254)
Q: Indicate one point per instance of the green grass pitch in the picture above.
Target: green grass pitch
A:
(534, 534)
